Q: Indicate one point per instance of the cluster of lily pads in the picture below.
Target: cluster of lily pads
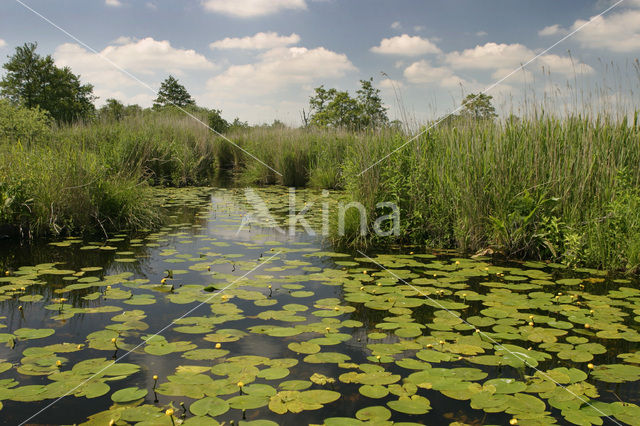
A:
(357, 339)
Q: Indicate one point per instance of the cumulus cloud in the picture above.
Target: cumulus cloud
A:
(149, 59)
(259, 41)
(388, 83)
(252, 8)
(279, 69)
(422, 72)
(618, 32)
(504, 58)
(405, 45)
(113, 3)
(2, 43)
(551, 30)
(396, 25)
(145, 56)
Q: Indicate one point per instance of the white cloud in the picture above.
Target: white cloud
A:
(422, 72)
(279, 69)
(2, 43)
(145, 56)
(259, 41)
(551, 30)
(490, 56)
(251, 8)
(419, 28)
(405, 45)
(482, 34)
(504, 58)
(149, 59)
(123, 40)
(113, 3)
(151, 5)
(396, 25)
(619, 32)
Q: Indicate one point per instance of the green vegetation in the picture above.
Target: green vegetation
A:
(561, 189)
(35, 81)
(173, 93)
(520, 343)
(556, 189)
(335, 109)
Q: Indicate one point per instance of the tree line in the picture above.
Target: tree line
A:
(35, 82)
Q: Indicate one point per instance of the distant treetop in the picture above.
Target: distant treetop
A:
(173, 93)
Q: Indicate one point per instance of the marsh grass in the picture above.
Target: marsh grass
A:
(563, 189)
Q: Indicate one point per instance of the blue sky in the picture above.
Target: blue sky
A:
(260, 59)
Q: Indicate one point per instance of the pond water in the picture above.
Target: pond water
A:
(258, 327)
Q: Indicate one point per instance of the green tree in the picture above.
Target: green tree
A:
(21, 124)
(35, 81)
(216, 122)
(374, 114)
(113, 110)
(238, 124)
(173, 93)
(478, 107)
(333, 108)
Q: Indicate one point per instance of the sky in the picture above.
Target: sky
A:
(260, 60)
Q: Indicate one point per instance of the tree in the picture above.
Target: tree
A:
(478, 107)
(238, 124)
(35, 81)
(333, 108)
(112, 110)
(374, 114)
(216, 122)
(24, 125)
(173, 93)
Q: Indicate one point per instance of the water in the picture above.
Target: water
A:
(384, 330)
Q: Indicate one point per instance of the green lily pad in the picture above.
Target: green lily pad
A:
(128, 394)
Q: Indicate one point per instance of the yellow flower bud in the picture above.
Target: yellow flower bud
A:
(155, 377)
(218, 345)
(169, 412)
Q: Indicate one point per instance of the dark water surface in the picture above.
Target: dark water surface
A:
(396, 331)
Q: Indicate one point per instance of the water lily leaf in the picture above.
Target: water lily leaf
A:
(413, 405)
(205, 354)
(33, 333)
(374, 414)
(304, 347)
(374, 391)
(128, 394)
(273, 373)
(505, 385)
(617, 373)
(248, 402)
(209, 406)
(326, 357)
(293, 385)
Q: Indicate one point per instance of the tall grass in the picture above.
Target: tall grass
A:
(46, 190)
(564, 189)
(546, 187)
